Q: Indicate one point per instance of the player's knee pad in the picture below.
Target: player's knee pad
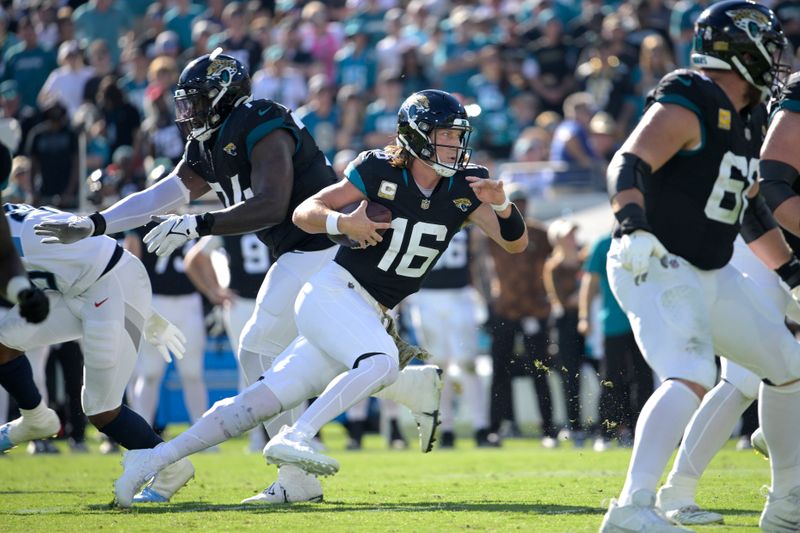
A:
(101, 343)
(383, 368)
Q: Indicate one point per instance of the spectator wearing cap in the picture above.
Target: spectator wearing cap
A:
(320, 114)
(53, 148)
(356, 63)
(519, 306)
(380, 123)
(28, 63)
(179, 20)
(16, 118)
(492, 91)
(235, 40)
(629, 378)
(279, 81)
(66, 83)
(551, 62)
(571, 138)
(101, 63)
(604, 135)
(562, 273)
(102, 19)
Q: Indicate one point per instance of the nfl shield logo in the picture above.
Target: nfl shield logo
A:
(425, 204)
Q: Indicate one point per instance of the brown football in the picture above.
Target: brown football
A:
(375, 211)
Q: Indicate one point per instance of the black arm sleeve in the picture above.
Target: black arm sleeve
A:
(757, 219)
(626, 171)
(777, 181)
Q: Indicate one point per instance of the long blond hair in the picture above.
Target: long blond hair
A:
(400, 157)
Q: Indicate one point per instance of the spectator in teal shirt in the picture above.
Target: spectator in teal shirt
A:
(627, 379)
(179, 19)
(28, 64)
(102, 19)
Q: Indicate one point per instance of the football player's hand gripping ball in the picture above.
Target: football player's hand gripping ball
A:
(360, 228)
(635, 251)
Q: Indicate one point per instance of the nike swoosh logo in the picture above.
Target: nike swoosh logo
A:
(101, 302)
(262, 112)
(686, 81)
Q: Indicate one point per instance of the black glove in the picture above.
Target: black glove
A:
(33, 305)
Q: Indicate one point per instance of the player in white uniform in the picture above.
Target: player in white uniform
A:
(443, 314)
(100, 294)
(720, 409)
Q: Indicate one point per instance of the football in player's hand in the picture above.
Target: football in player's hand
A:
(375, 211)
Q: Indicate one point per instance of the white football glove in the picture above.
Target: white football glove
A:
(172, 233)
(67, 231)
(165, 336)
(215, 321)
(635, 251)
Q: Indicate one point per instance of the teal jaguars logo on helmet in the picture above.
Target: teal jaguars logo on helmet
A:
(222, 70)
(751, 21)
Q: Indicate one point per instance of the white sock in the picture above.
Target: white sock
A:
(777, 410)
(710, 427)
(478, 401)
(146, 390)
(36, 413)
(253, 365)
(348, 388)
(658, 430)
(227, 418)
(195, 396)
(446, 405)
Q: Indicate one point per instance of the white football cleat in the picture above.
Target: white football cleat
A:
(759, 443)
(680, 507)
(640, 516)
(781, 515)
(27, 428)
(420, 386)
(292, 447)
(166, 483)
(137, 468)
(292, 486)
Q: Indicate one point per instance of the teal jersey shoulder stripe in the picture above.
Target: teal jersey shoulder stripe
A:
(405, 176)
(264, 129)
(790, 105)
(354, 177)
(685, 102)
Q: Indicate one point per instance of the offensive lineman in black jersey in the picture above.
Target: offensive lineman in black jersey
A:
(261, 161)
(343, 353)
(682, 187)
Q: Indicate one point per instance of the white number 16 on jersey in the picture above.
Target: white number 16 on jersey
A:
(414, 248)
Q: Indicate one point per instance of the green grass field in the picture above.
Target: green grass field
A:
(519, 487)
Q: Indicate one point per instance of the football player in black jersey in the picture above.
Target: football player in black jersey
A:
(343, 353)
(682, 187)
(261, 161)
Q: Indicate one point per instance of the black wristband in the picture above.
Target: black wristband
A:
(205, 223)
(513, 227)
(631, 218)
(790, 272)
(99, 224)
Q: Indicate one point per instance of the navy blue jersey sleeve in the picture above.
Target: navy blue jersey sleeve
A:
(266, 116)
(367, 170)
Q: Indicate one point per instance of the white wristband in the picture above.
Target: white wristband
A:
(332, 223)
(15, 285)
(501, 207)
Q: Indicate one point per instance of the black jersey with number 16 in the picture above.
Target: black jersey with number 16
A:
(694, 202)
(422, 226)
(224, 162)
